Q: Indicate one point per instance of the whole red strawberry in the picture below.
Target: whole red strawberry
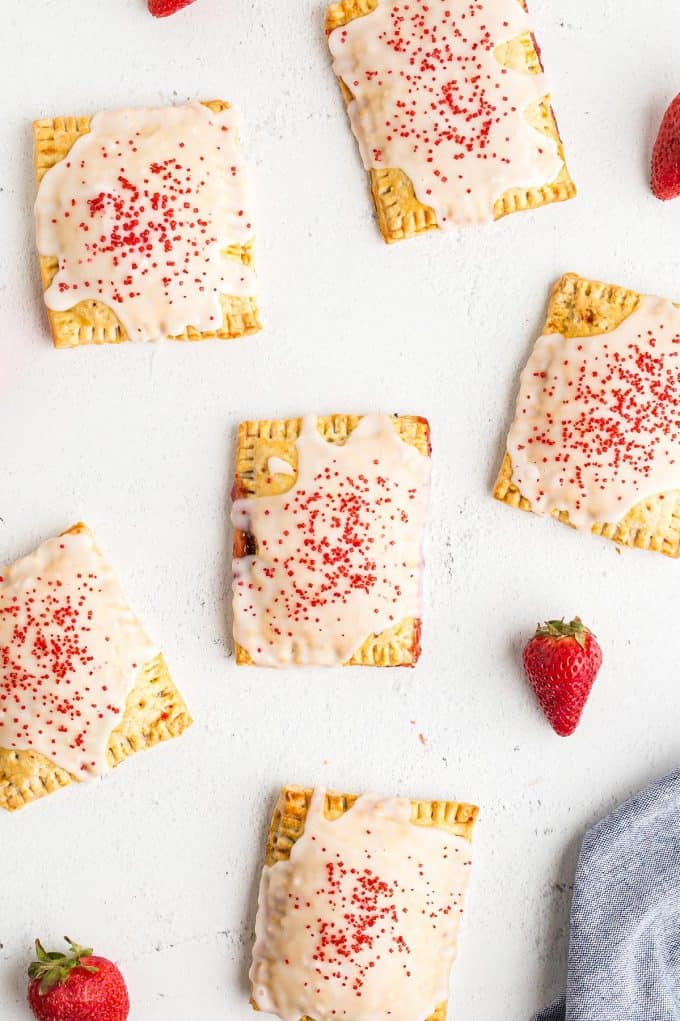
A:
(163, 8)
(561, 663)
(76, 986)
(666, 155)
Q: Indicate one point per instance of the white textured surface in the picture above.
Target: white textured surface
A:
(158, 864)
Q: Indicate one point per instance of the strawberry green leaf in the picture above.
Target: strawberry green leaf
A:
(564, 629)
(53, 968)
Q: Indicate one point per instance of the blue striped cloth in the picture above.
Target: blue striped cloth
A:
(624, 940)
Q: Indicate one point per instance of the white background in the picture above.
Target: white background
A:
(157, 866)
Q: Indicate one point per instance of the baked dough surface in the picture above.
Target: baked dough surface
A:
(155, 711)
(90, 321)
(288, 825)
(258, 441)
(400, 214)
(581, 308)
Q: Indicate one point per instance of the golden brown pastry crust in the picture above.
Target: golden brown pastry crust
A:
(288, 824)
(258, 441)
(155, 711)
(400, 214)
(585, 308)
(92, 322)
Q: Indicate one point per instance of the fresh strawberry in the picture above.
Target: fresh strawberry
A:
(561, 663)
(163, 8)
(76, 986)
(666, 154)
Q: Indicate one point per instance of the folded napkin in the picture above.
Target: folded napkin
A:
(624, 940)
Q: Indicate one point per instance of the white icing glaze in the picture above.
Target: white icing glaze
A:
(70, 651)
(140, 214)
(432, 99)
(339, 554)
(277, 466)
(362, 921)
(597, 425)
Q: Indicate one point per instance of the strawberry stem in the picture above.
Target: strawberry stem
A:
(53, 968)
(564, 629)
